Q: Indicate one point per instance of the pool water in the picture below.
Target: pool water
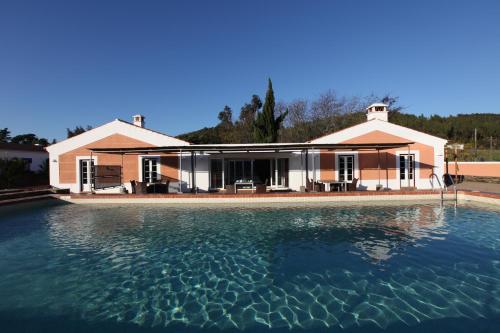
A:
(315, 268)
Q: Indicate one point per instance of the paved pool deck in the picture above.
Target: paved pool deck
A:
(290, 197)
(479, 186)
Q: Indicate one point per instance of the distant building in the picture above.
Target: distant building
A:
(33, 155)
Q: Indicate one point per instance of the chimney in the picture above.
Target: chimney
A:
(377, 111)
(139, 120)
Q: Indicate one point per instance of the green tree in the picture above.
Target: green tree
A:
(29, 139)
(78, 130)
(226, 116)
(266, 128)
(244, 125)
(4, 135)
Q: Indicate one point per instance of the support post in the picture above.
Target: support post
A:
(121, 173)
(408, 167)
(314, 166)
(386, 172)
(180, 171)
(193, 172)
(92, 174)
(378, 162)
(302, 167)
(307, 166)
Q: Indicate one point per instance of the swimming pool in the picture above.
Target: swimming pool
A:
(78, 268)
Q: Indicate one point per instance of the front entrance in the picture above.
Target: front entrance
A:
(87, 172)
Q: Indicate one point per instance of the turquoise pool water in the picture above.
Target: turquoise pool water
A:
(135, 268)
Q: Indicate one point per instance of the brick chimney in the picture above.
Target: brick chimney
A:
(139, 120)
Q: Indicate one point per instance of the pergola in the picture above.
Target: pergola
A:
(303, 148)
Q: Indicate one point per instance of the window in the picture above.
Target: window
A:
(150, 169)
(379, 108)
(404, 173)
(346, 168)
(216, 173)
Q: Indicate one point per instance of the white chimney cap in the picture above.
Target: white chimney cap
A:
(139, 120)
(377, 104)
(377, 111)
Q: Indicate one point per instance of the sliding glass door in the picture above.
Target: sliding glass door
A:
(279, 172)
(271, 172)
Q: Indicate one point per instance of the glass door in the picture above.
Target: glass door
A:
(150, 169)
(279, 172)
(87, 172)
(346, 168)
(216, 174)
(407, 172)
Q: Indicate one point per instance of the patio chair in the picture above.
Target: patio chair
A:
(352, 186)
(138, 187)
(159, 187)
(309, 185)
(260, 188)
(319, 187)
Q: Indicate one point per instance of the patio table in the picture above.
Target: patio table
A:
(243, 183)
(342, 185)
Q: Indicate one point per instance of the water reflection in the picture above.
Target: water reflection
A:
(278, 267)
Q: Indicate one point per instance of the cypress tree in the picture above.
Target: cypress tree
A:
(266, 126)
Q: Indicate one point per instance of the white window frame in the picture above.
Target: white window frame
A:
(78, 175)
(355, 161)
(416, 164)
(158, 166)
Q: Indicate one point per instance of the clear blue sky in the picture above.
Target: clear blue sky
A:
(66, 63)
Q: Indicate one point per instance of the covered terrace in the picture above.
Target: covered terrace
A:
(305, 153)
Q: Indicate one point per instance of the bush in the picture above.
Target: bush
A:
(15, 173)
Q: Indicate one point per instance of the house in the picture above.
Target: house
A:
(73, 166)
(34, 156)
(375, 154)
(392, 168)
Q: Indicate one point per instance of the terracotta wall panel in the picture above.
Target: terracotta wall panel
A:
(68, 167)
(369, 160)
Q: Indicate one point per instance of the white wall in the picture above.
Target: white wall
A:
(38, 157)
(296, 164)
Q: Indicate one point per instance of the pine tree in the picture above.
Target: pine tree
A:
(266, 126)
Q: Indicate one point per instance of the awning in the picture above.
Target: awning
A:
(255, 147)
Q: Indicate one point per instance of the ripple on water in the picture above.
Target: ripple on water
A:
(317, 267)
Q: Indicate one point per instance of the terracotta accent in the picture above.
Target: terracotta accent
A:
(327, 165)
(481, 169)
(368, 160)
(67, 161)
(378, 137)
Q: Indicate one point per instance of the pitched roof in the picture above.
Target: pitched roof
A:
(383, 126)
(116, 126)
(22, 147)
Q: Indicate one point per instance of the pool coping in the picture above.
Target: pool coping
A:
(205, 198)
